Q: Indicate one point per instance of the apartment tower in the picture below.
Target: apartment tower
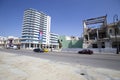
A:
(35, 29)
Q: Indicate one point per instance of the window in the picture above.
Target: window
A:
(94, 45)
(103, 45)
(110, 31)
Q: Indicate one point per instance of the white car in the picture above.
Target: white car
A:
(12, 47)
(15, 47)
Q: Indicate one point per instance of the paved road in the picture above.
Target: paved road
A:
(110, 61)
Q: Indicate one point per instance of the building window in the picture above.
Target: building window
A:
(103, 44)
(94, 45)
(110, 31)
(32, 45)
(86, 37)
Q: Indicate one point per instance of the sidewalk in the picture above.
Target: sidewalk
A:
(20, 67)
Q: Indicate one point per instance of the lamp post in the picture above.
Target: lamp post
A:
(115, 20)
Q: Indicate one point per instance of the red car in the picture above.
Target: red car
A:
(85, 51)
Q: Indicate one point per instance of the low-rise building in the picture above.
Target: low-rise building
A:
(99, 34)
(70, 42)
(9, 41)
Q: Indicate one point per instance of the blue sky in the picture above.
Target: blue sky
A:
(66, 15)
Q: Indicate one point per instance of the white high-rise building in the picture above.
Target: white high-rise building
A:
(35, 29)
(54, 40)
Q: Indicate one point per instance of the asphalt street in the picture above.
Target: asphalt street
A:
(109, 61)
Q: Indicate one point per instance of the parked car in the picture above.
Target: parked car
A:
(15, 47)
(12, 47)
(45, 50)
(38, 50)
(85, 51)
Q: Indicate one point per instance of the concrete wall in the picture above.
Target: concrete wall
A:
(70, 43)
(96, 51)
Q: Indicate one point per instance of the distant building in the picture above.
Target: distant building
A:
(54, 40)
(70, 42)
(102, 35)
(9, 41)
(36, 29)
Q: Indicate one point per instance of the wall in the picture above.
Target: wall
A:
(70, 43)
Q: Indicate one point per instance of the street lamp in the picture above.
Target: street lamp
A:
(115, 20)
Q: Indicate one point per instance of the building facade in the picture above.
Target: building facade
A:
(99, 34)
(35, 29)
(54, 40)
(9, 41)
(70, 42)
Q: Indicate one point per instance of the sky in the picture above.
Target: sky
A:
(66, 15)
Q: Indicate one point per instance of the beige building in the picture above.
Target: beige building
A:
(99, 34)
(9, 41)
